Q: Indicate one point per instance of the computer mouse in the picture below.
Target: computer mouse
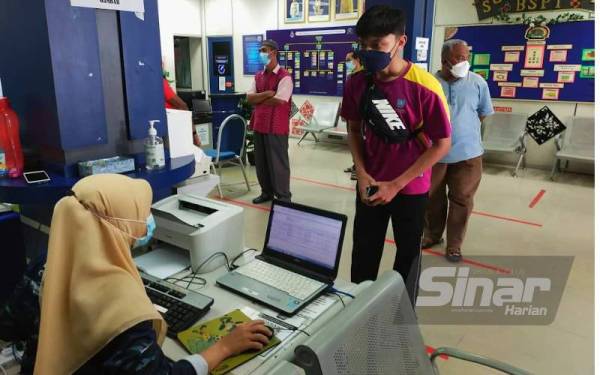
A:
(271, 330)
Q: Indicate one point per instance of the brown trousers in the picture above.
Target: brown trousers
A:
(451, 210)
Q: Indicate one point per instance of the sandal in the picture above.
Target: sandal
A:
(427, 243)
(453, 255)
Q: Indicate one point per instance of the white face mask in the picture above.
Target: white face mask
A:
(461, 69)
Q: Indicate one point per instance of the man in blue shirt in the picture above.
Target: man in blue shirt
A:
(460, 171)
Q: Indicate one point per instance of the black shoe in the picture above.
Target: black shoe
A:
(262, 199)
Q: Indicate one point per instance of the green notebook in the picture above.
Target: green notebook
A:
(201, 337)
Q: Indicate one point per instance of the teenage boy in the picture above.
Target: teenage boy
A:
(393, 176)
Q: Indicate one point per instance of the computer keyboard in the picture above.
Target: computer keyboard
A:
(292, 283)
(179, 307)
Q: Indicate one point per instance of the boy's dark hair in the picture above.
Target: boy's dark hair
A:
(379, 21)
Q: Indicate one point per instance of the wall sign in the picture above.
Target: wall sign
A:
(251, 45)
(315, 58)
(559, 67)
(491, 8)
(125, 5)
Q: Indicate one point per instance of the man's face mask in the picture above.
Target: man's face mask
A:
(460, 70)
(263, 55)
(376, 61)
(350, 66)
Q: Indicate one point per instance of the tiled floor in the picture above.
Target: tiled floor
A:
(561, 223)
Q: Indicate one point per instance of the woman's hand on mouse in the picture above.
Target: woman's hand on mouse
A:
(253, 335)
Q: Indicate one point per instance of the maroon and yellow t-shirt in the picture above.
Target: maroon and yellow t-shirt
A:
(419, 100)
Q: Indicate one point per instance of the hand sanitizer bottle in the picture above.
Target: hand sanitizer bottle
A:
(155, 149)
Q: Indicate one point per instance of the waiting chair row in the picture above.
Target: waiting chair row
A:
(505, 133)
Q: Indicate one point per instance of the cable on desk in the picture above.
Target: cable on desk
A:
(337, 291)
(195, 273)
(294, 330)
(191, 277)
(340, 297)
(237, 257)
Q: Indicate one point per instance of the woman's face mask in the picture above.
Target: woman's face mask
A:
(150, 228)
(139, 241)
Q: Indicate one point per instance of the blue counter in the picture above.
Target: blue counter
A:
(18, 191)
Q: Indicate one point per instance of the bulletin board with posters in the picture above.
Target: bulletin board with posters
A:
(537, 63)
(315, 58)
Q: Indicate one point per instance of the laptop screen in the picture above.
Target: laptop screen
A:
(306, 234)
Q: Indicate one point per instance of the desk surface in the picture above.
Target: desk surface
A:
(309, 320)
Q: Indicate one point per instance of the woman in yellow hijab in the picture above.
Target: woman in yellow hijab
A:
(95, 315)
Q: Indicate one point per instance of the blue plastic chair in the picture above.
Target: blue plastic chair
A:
(230, 145)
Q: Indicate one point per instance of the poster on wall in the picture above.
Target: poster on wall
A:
(566, 77)
(251, 45)
(508, 92)
(124, 5)
(294, 11)
(315, 57)
(346, 9)
(531, 82)
(318, 10)
(587, 54)
(558, 55)
(534, 56)
(551, 59)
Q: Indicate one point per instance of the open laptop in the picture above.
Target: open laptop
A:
(300, 258)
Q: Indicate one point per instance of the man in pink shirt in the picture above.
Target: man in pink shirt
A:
(271, 94)
(393, 176)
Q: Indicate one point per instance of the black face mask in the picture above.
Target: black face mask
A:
(376, 61)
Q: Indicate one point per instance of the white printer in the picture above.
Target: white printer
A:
(201, 226)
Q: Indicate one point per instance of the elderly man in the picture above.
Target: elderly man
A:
(271, 94)
(460, 171)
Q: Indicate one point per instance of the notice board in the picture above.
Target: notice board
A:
(315, 58)
(251, 45)
(559, 67)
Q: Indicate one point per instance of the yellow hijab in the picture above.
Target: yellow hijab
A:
(92, 290)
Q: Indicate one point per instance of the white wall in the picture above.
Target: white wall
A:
(219, 17)
(462, 13)
(181, 18)
(250, 17)
(197, 63)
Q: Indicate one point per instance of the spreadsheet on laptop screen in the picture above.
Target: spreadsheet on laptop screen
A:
(305, 235)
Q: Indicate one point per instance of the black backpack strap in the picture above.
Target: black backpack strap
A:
(364, 101)
(415, 132)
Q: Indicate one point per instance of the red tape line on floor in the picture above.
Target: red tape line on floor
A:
(465, 260)
(474, 212)
(347, 188)
(537, 198)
